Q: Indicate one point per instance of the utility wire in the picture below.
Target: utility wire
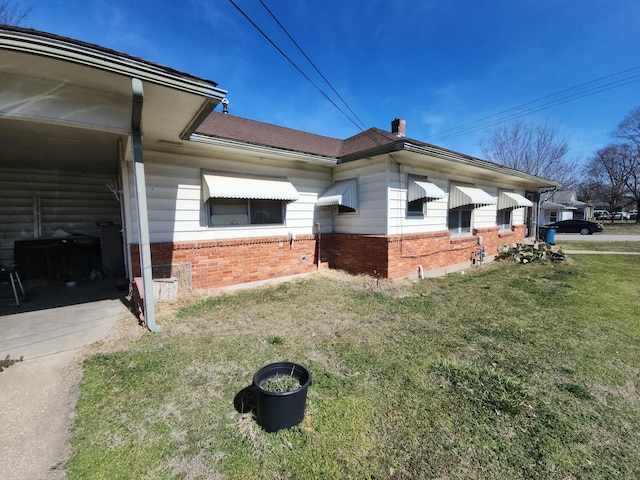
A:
(362, 125)
(293, 63)
(542, 103)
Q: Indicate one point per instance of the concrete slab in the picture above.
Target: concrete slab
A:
(39, 393)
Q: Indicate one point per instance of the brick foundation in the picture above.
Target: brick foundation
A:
(222, 263)
(399, 256)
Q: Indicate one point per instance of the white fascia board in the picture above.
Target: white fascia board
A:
(65, 50)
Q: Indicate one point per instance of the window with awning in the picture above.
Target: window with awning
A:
(460, 196)
(512, 200)
(340, 194)
(237, 199)
(230, 185)
(420, 191)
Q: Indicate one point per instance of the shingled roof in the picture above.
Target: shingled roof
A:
(264, 134)
(225, 126)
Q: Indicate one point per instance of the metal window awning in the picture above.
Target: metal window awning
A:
(230, 185)
(418, 189)
(460, 196)
(512, 200)
(343, 193)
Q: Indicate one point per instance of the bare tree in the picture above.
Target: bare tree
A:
(534, 149)
(11, 14)
(628, 130)
(609, 171)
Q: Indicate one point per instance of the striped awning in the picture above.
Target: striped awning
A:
(460, 196)
(418, 189)
(512, 200)
(231, 185)
(343, 193)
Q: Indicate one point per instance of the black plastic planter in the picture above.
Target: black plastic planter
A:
(278, 410)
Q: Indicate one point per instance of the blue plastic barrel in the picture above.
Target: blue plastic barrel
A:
(551, 236)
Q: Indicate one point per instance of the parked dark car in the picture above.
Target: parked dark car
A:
(583, 227)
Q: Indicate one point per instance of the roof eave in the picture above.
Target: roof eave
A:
(262, 149)
(372, 152)
(476, 162)
(61, 48)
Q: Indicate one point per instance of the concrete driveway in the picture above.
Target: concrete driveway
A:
(51, 332)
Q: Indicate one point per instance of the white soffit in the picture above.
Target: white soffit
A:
(418, 189)
(512, 200)
(460, 196)
(229, 185)
(343, 193)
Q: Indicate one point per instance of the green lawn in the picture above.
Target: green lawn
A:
(628, 227)
(506, 371)
(633, 247)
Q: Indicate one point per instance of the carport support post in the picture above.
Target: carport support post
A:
(141, 201)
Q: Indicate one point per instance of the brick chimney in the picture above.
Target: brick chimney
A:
(399, 127)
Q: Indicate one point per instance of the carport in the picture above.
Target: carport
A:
(72, 185)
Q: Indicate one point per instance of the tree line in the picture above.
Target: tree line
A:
(613, 172)
(610, 177)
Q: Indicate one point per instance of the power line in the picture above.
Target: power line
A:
(563, 96)
(294, 64)
(362, 125)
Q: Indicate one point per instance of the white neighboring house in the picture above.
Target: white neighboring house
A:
(562, 205)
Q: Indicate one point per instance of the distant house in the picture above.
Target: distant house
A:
(559, 205)
(124, 156)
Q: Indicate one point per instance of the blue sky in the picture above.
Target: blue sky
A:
(439, 65)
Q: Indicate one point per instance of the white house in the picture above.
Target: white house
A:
(111, 162)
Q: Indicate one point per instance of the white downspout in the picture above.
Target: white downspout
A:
(141, 201)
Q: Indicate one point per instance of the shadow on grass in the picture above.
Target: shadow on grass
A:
(245, 400)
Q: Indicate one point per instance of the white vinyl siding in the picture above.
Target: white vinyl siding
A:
(371, 215)
(434, 218)
(36, 203)
(177, 211)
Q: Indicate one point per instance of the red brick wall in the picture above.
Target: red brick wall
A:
(223, 263)
(399, 256)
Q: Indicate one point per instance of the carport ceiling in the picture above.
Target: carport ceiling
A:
(31, 145)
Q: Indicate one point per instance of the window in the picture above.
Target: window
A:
(416, 207)
(243, 199)
(343, 195)
(507, 202)
(462, 200)
(553, 216)
(505, 218)
(419, 192)
(460, 219)
(239, 211)
(345, 209)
